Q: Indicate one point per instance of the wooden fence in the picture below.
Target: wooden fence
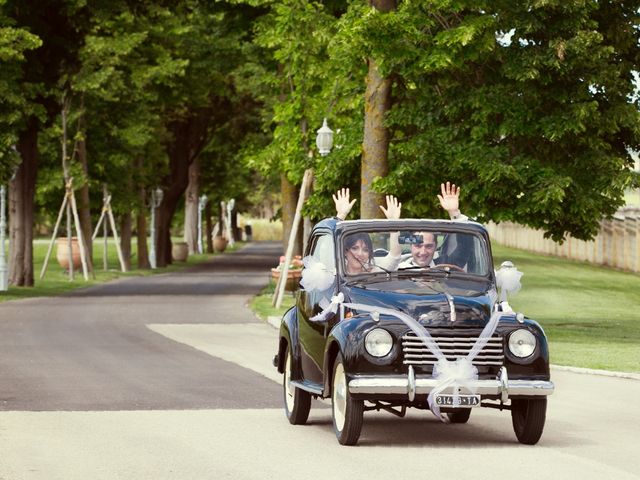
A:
(616, 245)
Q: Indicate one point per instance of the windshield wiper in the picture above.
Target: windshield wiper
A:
(428, 270)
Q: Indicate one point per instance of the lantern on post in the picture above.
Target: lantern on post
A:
(202, 203)
(324, 139)
(230, 206)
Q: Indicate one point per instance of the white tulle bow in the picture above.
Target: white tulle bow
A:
(316, 276)
(460, 373)
(508, 280)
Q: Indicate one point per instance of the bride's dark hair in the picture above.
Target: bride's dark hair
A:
(351, 240)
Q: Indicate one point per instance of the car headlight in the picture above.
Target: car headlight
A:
(522, 343)
(378, 342)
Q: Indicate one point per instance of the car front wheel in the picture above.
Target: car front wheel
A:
(347, 412)
(528, 417)
(297, 402)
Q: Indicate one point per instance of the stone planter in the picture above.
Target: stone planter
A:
(293, 278)
(180, 252)
(62, 253)
(219, 244)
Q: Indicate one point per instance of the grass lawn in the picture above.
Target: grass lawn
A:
(261, 304)
(56, 281)
(590, 314)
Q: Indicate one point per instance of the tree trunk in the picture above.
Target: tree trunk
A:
(84, 205)
(141, 223)
(235, 231)
(125, 239)
(21, 199)
(375, 147)
(192, 196)
(289, 202)
(189, 136)
(175, 185)
(209, 227)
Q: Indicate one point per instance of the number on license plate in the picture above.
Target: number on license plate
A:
(462, 401)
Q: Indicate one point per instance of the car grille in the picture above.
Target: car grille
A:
(417, 353)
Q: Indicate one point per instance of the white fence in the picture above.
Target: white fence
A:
(616, 245)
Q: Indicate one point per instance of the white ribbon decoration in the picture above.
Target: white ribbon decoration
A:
(508, 280)
(328, 308)
(316, 276)
(460, 373)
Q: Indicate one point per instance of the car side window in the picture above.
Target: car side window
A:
(323, 251)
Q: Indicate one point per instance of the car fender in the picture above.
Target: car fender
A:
(538, 364)
(289, 336)
(344, 338)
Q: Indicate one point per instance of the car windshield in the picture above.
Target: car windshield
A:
(419, 252)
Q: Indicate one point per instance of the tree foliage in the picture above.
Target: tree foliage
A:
(527, 105)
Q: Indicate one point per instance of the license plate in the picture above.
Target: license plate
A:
(462, 401)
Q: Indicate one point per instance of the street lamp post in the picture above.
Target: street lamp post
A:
(324, 139)
(230, 204)
(202, 202)
(4, 277)
(156, 200)
(324, 142)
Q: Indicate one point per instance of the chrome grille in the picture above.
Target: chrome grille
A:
(417, 353)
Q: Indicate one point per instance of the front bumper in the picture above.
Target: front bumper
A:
(411, 386)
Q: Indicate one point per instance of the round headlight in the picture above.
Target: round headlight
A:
(522, 343)
(378, 342)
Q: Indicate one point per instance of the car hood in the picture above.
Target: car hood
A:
(427, 299)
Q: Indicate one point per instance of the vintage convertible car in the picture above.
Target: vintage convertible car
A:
(394, 335)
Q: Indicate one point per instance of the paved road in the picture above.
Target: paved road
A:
(93, 351)
(169, 377)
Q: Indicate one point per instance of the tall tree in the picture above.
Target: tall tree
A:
(375, 146)
(15, 106)
(41, 73)
(293, 36)
(519, 102)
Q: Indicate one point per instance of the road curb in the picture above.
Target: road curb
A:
(275, 323)
(592, 371)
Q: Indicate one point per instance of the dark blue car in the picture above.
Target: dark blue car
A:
(398, 330)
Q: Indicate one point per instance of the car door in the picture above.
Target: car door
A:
(312, 334)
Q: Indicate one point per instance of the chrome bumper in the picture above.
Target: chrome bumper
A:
(412, 385)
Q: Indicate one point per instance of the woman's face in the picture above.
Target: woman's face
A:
(358, 257)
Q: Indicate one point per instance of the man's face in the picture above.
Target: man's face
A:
(423, 252)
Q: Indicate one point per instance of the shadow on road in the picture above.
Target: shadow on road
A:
(244, 272)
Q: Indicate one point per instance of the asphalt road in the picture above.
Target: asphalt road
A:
(92, 350)
(170, 377)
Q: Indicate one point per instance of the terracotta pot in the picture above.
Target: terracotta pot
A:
(180, 251)
(219, 244)
(62, 253)
(293, 278)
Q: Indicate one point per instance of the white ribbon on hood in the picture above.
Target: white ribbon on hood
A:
(328, 308)
(460, 373)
